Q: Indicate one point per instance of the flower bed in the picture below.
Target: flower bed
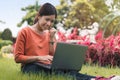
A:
(106, 51)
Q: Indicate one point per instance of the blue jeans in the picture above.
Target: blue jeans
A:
(33, 68)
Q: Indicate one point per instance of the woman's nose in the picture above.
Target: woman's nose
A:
(49, 23)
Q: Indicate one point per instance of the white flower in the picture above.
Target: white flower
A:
(116, 78)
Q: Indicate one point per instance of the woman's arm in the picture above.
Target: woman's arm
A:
(52, 45)
(31, 59)
(52, 42)
(19, 51)
(19, 47)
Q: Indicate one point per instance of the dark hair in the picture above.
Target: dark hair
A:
(46, 9)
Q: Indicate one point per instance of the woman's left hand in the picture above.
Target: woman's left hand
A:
(47, 58)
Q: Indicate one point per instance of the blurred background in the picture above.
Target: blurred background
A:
(79, 21)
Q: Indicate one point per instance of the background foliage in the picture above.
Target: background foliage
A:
(31, 12)
(74, 13)
(80, 13)
(5, 43)
(6, 34)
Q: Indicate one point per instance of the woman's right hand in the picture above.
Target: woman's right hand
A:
(47, 58)
(52, 32)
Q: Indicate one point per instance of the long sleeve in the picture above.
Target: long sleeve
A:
(20, 47)
(29, 43)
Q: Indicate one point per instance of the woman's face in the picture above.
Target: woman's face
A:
(46, 22)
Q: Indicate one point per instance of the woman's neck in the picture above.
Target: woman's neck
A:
(37, 29)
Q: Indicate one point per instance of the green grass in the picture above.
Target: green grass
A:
(100, 71)
(9, 70)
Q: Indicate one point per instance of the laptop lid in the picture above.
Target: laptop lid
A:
(69, 56)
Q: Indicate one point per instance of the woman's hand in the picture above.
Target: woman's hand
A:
(47, 58)
(52, 32)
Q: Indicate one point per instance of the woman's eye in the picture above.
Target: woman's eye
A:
(52, 21)
(47, 19)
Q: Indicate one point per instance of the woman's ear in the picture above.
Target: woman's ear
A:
(39, 17)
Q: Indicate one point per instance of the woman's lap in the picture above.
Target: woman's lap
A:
(32, 68)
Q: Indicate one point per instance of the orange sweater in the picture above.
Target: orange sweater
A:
(30, 43)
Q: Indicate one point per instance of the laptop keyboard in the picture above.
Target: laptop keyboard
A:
(48, 66)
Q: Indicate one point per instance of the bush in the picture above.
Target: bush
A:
(0, 54)
(6, 34)
(5, 43)
(106, 51)
(7, 49)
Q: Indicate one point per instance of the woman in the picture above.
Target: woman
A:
(36, 43)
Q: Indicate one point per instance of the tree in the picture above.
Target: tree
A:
(6, 34)
(82, 13)
(31, 12)
(62, 10)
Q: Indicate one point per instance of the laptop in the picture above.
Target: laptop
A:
(67, 57)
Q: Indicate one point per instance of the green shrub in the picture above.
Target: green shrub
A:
(7, 49)
(0, 54)
(6, 34)
(5, 43)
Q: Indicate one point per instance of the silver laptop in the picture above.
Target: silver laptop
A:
(67, 57)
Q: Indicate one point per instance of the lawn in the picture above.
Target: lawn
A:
(9, 70)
